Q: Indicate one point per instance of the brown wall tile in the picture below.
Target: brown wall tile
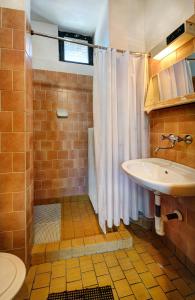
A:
(180, 121)
(18, 121)
(5, 79)
(6, 240)
(12, 59)
(61, 144)
(11, 182)
(6, 203)
(12, 101)
(12, 221)
(5, 38)
(18, 238)
(5, 121)
(19, 162)
(16, 131)
(18, 80)
(18, 39)
(12, 18)
(5, 162)
(19, 201)
(12, 142)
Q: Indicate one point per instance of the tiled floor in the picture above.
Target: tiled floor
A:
(78, 218)
(147, 271)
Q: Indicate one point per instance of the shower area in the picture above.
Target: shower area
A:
(62, 207)
(84, 128)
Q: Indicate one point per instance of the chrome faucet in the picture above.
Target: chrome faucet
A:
(174, 139)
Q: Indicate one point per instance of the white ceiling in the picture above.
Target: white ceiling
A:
(72, 15)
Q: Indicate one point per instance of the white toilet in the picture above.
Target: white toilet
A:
(12, 275)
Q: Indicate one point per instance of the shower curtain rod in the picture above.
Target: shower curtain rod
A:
(80, 43)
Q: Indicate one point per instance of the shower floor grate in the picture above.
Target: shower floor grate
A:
(47, 223)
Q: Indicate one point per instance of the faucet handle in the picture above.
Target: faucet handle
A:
(165, 137)
(188, 139)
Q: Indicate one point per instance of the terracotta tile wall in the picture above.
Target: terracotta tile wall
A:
(180, 121)
(60, 157)
(15, 132)
(29, 163)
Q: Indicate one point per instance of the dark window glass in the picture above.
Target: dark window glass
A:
(75, 53)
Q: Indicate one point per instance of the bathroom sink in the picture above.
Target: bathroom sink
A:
(162, 175)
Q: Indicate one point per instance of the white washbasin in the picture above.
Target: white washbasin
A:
(162, 175)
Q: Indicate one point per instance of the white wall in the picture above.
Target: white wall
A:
(136, 25)
(164, 16)
(101, 36)
(13, 4)
(127, 25)
(45, 52)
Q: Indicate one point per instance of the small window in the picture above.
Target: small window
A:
(75, 53)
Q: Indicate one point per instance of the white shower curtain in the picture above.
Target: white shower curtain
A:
(120, 133)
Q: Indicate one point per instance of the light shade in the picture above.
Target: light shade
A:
(163, 49)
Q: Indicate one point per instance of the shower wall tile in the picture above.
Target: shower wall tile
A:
(60, 156)
(16, 130)
(180, 121)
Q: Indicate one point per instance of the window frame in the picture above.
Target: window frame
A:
(77, 36)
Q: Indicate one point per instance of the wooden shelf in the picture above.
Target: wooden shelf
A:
(170, 103)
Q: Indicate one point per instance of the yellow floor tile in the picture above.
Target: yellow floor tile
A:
(58, 271)
(31, 274)
(97, 258)
(85, 259)
(110, 260)
(77, 242)
(174, 295)
(73, 274)
(40, 294)
(131, 297)
(170, 272)
(89, 279)
(116, 273)
(59, 262)
(51, 247)
(120, 254)
(57, 285)
(133, 255)
(147, 258)
(122, 287)
(176, 263)
(40, 248)
(165, 283)
(105, 280)
(43, 268)
(140, 291)
(161, 259)
(72, 263)
(155, 269)
(76, 285)
(86, 266)
(115, 294)
(41, 280)
(158, 294)
(132, 276)
(125, 263)
(101, 269)
(148, 280)
(140, 266)
(182, 287)
(67, 244)
(140, 248)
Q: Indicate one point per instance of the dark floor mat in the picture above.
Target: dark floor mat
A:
(99, 293)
